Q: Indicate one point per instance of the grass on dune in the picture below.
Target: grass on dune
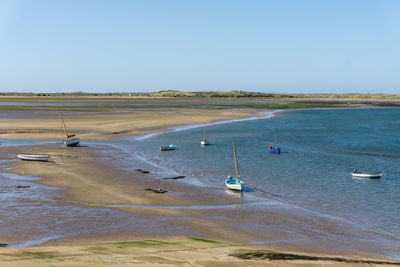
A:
(145, 243)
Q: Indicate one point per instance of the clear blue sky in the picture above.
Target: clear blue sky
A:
(271, 46)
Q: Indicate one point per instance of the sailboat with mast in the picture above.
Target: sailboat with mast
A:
(70, 139)
(204, 142)
(235, 183)
(274, 148)
(164, 147)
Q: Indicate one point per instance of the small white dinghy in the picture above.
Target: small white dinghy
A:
(34, 157)
(367, 175)
(204, 142)
(232, 183)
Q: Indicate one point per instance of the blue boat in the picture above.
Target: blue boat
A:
(274, 149)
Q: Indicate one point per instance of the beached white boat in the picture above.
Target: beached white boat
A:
(70, 139)
(34, 157)
(204, 142)
(164, 147)
(235, 183)
(368, 175)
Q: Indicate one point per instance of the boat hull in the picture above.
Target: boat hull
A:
(234, 184)
(204, 143)
(72, 142)
(275, 150)
(167, 148)
(377, 175)
(33, 157)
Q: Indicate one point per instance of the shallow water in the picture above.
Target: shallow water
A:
(309, 181)
(34, 214)
(319, 150)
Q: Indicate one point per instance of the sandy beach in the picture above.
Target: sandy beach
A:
(158, 228)
(109, 125)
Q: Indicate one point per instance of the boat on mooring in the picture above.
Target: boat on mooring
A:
(274, 148)
(204, 142)
(70, 139)
(366, 175)
(164, 147)
(235, 183)
(34, 157)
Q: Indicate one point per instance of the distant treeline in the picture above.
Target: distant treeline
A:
(209, 94)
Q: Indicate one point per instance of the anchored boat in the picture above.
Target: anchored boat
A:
(367, 175)
(274, 148)
(235, 183)
(70, 139)
(204, 142)
(164, 147)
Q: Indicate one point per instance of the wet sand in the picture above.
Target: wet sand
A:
(98, 177)
(167, 252)
(108, 125)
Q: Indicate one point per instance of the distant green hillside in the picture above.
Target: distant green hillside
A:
(175, 93)
(210, 94)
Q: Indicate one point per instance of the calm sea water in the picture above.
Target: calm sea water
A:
(319, 150)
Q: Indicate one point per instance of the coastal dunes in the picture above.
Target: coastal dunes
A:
(99, 176)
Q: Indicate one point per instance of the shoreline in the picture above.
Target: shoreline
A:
(143, 179)
(160, 207)
(114, 124)
(179, 128)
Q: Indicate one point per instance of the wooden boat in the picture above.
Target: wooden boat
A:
(274, 148)
(34, 157)
(232, 183)
(164, 147)
(70, 139)
(367, 175)
(204, 142)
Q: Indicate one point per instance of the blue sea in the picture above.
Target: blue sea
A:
(319, 149)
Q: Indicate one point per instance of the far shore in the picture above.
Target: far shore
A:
(96, 176)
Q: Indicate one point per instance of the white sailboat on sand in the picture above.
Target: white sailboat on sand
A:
(235, 183)
(204, 142)
(164, 147)
(70, 139)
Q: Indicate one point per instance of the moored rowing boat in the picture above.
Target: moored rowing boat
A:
(369, 175)
(34, 157)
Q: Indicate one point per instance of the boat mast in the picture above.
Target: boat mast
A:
(63, 123)
(62, 130)
(236, 163)
(204, 133)
(164, 135)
